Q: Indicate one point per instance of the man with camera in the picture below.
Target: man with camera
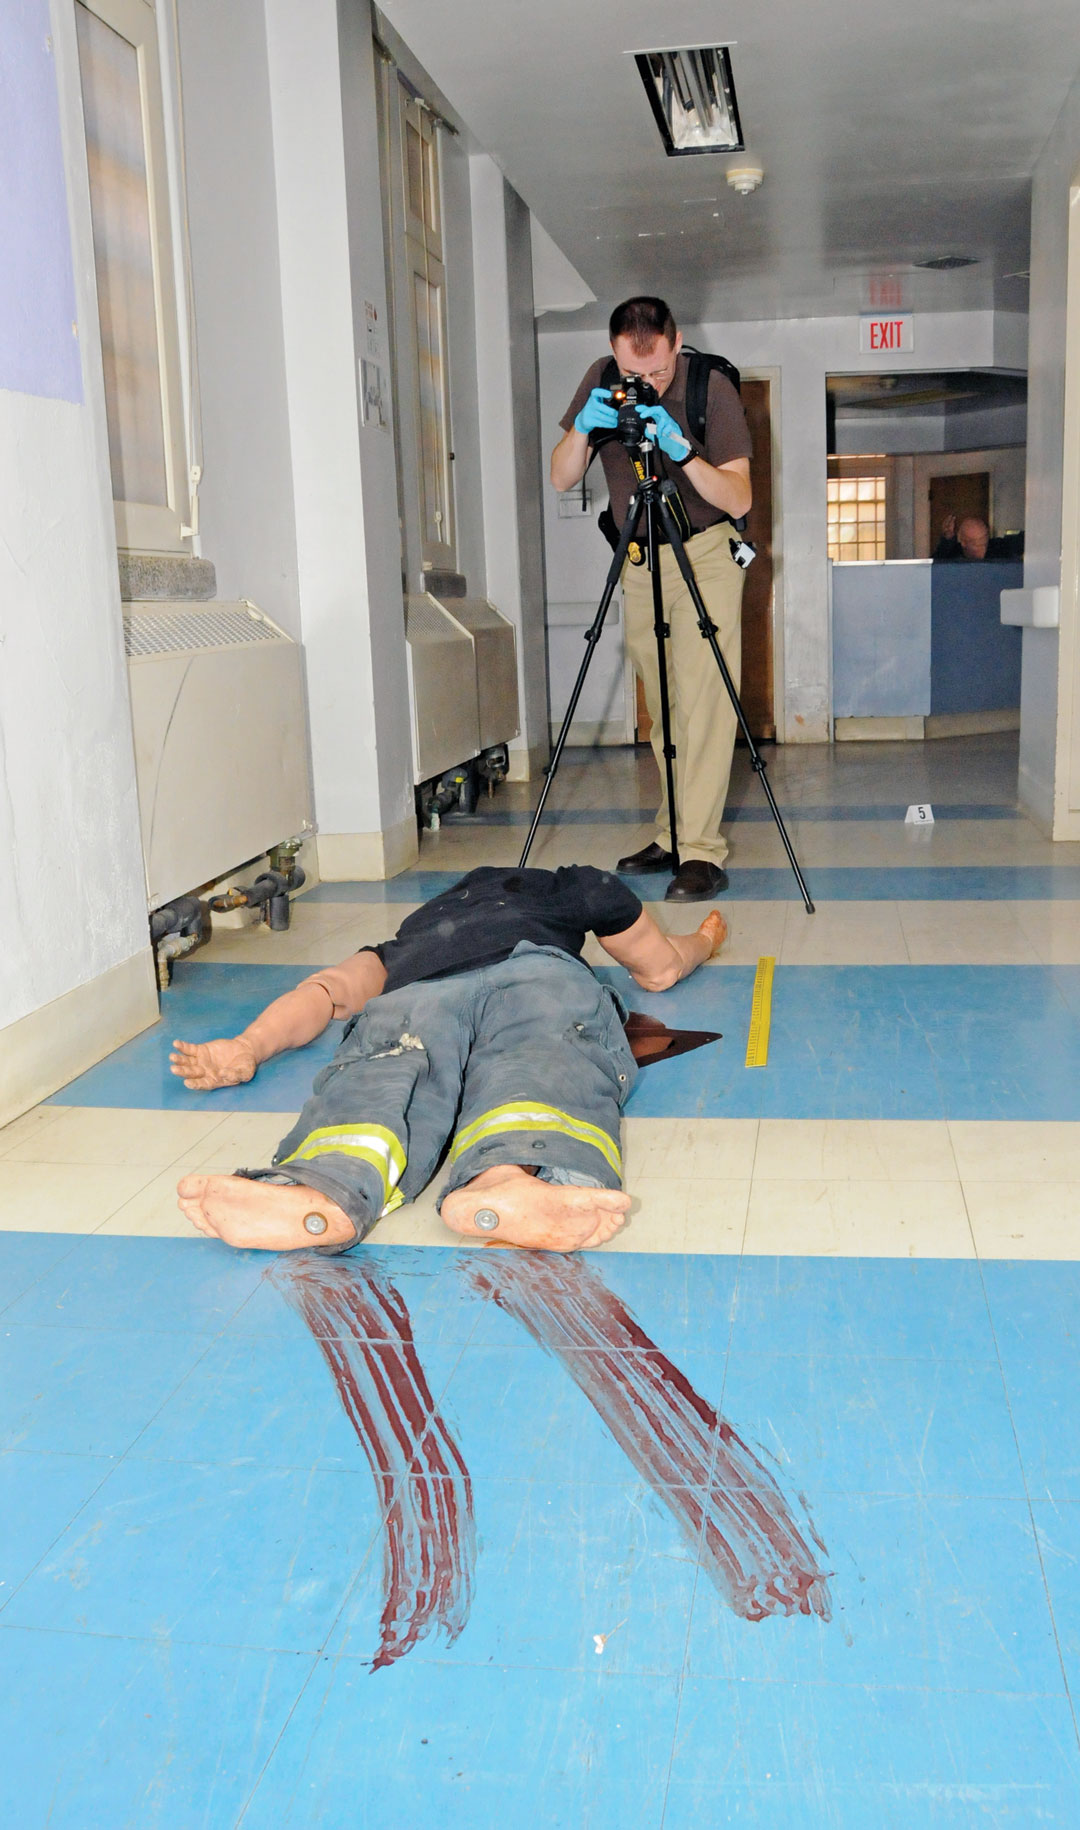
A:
(713, 478)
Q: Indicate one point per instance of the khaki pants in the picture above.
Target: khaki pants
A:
(702, 721)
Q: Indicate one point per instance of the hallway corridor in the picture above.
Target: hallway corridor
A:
(839, 1327)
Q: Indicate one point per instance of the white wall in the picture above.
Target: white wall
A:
(510, 435)
(72, 893)
(246, 509)
(348, 546)
(1057, 169)
(804, 350)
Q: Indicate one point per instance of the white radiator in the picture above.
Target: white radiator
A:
(221, 750)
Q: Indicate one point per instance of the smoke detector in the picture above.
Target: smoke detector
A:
(745, 178)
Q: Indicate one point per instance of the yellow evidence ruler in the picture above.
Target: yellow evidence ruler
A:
(757, 1042)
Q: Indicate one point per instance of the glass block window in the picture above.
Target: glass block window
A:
(856, 517)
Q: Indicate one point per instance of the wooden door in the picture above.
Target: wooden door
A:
(757, 603)
(757, 654)
(967, 494)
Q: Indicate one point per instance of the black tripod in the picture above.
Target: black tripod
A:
(652, 497)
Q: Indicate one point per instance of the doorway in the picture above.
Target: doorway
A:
(965, 496)
(756, 691)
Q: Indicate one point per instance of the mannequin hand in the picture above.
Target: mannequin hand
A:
(597, 413)
(669, 435)
(205, 1065)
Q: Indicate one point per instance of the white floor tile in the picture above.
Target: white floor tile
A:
(1019, 1151)
(152, 1213)
(1025, 1219)
(242, 1140)
(64, 1197)
(965, 933)
(669, 1214)
(856, 1150)
(1052, 930)
(29, 1125)
(844, 934)
(688, 1148)
(114, 1134)
(858, 1220)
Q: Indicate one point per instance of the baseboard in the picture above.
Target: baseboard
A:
(879, 730)
(589, 735)
(45, 1049)
(527, 763)
(972, 724)
(368, 857)
(1036, 799)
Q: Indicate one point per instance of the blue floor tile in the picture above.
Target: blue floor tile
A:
(442, 1307)
(891, 1308)
(205, 1001)
(870, 1425)
(874, 1042)
(851, 1757)
(846, 1042)
(39, 1494)
(117, 1283)
(255, 1557)
(514, 1410)
(267, 1403)
(1044, 1400)
(769, 883)
(1035, 1307)
(558, 1563)
(938, 1593)
(434, 1745)
(1058, 1528)
(116, 1734)
(24, 1257)
(79, 1391)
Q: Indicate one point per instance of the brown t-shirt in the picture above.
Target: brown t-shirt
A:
(726, 437)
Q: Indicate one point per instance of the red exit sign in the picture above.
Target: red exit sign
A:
(881, 334)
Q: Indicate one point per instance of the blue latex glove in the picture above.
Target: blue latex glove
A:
(597, 413)
(669, 435)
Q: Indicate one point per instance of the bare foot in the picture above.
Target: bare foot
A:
(715, 930)
(261, 1216)
(540, 1215)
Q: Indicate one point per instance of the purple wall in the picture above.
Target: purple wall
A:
(39, 352)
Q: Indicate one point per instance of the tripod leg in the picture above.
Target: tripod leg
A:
(660, 630)
(708, 630)
(592, 636)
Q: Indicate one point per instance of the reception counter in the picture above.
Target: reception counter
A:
(911, 639)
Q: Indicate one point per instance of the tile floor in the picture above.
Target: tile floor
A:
(860, 1264)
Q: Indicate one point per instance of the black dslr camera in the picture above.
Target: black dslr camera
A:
(627, 394)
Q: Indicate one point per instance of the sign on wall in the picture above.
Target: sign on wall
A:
(881, 334)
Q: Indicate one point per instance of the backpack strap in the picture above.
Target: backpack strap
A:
(700, 368)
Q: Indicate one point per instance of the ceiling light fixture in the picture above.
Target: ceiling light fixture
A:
(692, 96)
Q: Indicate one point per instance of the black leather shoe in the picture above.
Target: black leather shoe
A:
(651, 858)
(696, 881)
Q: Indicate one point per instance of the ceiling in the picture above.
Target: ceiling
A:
(888, 134)
(911, 394)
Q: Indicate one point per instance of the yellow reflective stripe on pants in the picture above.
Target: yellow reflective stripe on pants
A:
(372, 1144)
(525, 1115)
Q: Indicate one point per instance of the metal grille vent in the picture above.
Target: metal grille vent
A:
(155, 632)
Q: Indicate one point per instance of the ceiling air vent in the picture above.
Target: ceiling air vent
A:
(692, 95)
(948, 263)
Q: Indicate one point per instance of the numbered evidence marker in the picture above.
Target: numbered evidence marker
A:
(757, 1042)
(920, 814)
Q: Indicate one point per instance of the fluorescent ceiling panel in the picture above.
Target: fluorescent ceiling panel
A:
(692, 95)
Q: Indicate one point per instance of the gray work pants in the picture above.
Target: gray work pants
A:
(523, 1062)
